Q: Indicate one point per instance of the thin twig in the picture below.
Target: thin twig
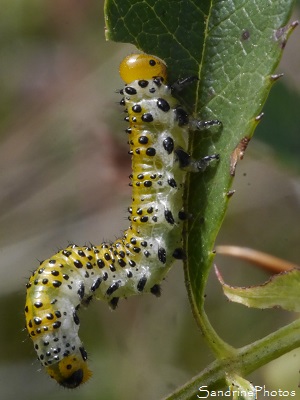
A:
(264, 260)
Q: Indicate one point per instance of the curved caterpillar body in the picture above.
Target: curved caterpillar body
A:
(140, 259)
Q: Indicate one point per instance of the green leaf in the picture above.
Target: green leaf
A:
(233, 48)
(280, 290)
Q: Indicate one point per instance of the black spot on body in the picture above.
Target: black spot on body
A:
(158, 81)
(83, 353)
(162, 255)
(100, 263)
(181, 116)
(112, 288)
(121, 262)
(107, 257)
(78, 264)
(130, 90)
(137, 108)
(96, 284)
(143, 140)
(183, 158)
(147, 117)
(172, 182)
(76, 318)
(141, 284)
(163, 105)
(143, 83)
(151, 151)
(56, 324)
(81, 290)
(169, 217)
(168, 144)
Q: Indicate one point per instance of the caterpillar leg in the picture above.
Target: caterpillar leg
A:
(182, 116)
(187, 163)
(203, 125)
(205, 161)
(182, 83)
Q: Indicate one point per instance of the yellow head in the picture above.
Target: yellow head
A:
(142, 66)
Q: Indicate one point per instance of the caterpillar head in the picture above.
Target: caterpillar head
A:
(71, 371)
(142, 66)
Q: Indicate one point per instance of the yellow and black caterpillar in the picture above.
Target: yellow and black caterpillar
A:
(137, 262)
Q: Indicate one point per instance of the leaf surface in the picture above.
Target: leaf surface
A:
(233, 47)
(280, 290)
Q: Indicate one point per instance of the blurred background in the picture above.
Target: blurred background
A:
(64, 178)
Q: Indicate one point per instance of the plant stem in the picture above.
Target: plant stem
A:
(246, 360)
(219, 347)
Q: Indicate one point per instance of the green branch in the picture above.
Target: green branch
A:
(246, 360)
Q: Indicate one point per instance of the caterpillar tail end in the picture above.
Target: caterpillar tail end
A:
(70, 372)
